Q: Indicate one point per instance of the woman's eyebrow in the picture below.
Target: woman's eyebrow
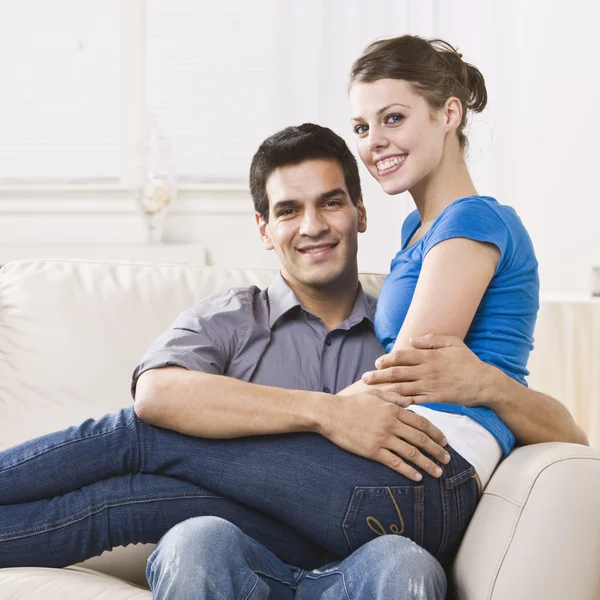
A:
(382, 110)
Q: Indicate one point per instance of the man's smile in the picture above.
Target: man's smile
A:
(318, 250)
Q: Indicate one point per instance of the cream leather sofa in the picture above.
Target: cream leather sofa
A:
(70, 335)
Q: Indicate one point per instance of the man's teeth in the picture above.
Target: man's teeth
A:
(313, 250)
(382, 165)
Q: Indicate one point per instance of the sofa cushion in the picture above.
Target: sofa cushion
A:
(71, 333)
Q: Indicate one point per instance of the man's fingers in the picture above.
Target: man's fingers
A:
(393, 461)
(389, 395)
(422, 424)
(391, 375)
(433, 341)
(418, 439)
(400, 358)
(411, 454)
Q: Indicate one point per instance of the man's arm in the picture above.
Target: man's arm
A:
(214, 406)
(443, 369)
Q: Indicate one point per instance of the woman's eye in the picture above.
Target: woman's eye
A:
(360, 129)
(394, 119)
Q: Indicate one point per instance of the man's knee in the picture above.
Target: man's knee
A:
(393, 561)
(190, 539)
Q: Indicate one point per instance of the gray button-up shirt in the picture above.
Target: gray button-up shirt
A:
(267, 337)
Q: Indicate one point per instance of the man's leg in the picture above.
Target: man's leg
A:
(127, 509)
(391, 567)
(208, 558)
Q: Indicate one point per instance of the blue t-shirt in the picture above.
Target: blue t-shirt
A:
(501, 333)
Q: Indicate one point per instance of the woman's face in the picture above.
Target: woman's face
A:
(399, 137)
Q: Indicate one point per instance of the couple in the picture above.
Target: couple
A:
(309, 474)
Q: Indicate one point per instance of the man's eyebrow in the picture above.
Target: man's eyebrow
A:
(333, 194)
(291, 203)
(283, 204)
(382, 110)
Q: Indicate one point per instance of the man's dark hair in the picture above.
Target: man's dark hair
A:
(292, 146)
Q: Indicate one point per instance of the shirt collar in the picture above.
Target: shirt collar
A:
(282, 299)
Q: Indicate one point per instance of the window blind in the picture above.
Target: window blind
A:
(211, 73)
(60, 102)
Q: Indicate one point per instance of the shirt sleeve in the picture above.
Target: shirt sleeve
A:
(202, 338)
(409, 226)
(472, 219)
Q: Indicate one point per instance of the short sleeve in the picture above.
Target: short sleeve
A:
(473, 219)
(409, 226)
(202, 338)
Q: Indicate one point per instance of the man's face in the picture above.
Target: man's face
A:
(313, 225)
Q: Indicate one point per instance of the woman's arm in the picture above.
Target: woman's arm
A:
(453, 279)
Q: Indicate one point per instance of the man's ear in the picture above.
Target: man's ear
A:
(362, 215)
(262, 230)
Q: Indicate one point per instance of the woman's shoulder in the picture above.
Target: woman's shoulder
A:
(482, 213)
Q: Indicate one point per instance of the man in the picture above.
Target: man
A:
(248, 363)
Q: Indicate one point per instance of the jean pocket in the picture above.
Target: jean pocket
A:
(376, 511)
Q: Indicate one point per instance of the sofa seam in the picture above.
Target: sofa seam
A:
(522, 508)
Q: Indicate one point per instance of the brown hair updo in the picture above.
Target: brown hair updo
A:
(435, 69)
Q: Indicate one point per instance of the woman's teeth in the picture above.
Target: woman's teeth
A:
(382, 165)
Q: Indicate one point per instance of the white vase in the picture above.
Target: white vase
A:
(156, 185)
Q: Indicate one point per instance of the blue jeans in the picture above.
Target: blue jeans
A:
(207, 558)
(80, 490)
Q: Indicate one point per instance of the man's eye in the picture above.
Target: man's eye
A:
(360, 129)
(394, 119)
(333, 203)
(286, 212)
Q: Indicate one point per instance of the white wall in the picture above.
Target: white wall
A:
(548, 133)
(536, 148)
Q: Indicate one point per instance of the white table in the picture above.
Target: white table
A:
(565, 362)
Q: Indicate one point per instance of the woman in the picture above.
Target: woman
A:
(417, 147)
(467, 266)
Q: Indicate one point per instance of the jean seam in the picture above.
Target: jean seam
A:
(275, 578)
(65, 444)
(252, 589)
(92, 510)
(316, 576)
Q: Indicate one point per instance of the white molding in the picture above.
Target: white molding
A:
(107, 199)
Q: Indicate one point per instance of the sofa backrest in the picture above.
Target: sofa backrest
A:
(71, 333)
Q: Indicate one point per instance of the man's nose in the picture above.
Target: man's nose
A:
(313, 223)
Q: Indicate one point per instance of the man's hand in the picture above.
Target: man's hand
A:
(440, 369)
(371, 425)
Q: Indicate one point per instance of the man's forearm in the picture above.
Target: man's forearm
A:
(214, 406)
(532, 416)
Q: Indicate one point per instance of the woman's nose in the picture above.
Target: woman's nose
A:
(376, 140)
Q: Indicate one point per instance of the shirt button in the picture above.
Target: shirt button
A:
(328, 341)
(327, 390)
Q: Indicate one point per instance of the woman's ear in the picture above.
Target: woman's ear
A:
(453, 112)
(263, 231)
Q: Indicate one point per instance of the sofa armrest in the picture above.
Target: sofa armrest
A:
(536, 531)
